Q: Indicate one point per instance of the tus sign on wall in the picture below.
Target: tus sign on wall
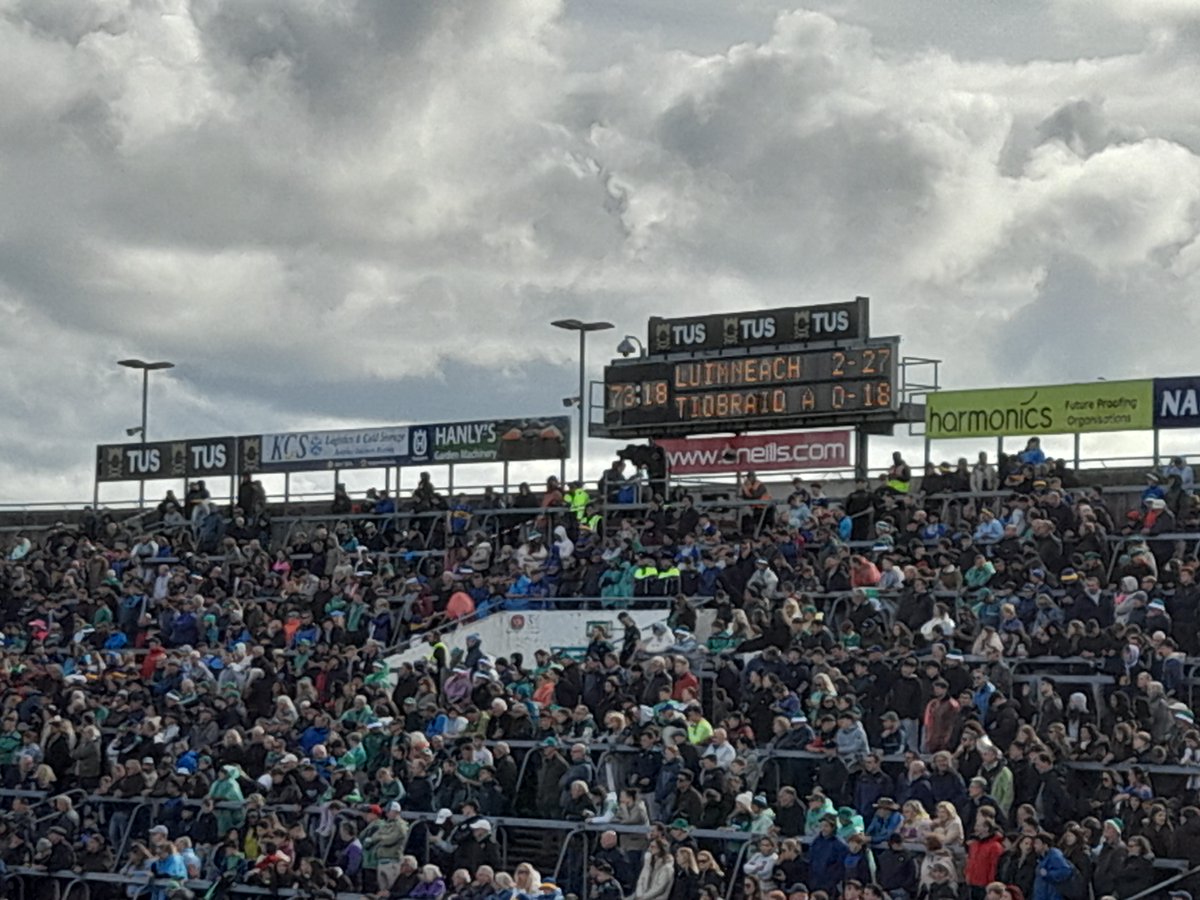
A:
(200, 458)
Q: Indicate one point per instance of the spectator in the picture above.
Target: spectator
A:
(658, 873)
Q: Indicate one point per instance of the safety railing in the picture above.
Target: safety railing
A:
(569, 829)
(147, 882)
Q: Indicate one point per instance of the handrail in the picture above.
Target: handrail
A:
(1154, 889)
(562, 852)
(735, 868)
(606, 748)
(195, 884)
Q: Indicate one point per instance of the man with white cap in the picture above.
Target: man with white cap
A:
(479, 848)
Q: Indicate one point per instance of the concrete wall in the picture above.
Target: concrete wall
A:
(505, 633)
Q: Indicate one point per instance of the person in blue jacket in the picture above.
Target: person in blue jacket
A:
(1053, 869)
(886, 821)
(826, 858)
(1032, 455)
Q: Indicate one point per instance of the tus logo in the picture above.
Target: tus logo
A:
(802, 325)
(730, 330)
(662, 336)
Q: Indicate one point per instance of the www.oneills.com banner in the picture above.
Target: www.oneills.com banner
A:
(759, 452)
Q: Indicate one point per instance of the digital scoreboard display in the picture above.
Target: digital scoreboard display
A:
(765, 390)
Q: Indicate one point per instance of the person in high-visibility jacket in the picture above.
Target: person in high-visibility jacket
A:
(577, 499)
(645, 577)
(699, 729)
(668, 577)
(591, 520)
(439, 655)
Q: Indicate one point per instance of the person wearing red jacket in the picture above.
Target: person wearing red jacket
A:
(941, 714)
(983, 856)
(150, 662)
(685, 680)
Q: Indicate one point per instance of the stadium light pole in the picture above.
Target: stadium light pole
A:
(146, 368)
(583, 328)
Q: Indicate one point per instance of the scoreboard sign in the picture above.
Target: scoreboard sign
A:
(759, 391)
(761, 328)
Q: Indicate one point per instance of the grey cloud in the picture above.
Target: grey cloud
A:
(371, 210)
(1082, 126)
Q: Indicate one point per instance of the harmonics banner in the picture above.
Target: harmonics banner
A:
(1093, 406)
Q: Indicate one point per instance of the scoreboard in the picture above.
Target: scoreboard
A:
(755, 391)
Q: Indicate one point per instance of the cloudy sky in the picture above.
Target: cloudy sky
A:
(338, 212)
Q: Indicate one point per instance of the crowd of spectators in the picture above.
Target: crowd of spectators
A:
(861, 711)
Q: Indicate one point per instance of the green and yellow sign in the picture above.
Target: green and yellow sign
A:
(1046, 409)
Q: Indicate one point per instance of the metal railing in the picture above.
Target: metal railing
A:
(570, 829)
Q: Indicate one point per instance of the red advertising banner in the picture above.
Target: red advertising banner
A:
(760, 452)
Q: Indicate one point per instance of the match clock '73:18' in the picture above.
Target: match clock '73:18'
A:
(759, 388)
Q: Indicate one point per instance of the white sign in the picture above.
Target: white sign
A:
(350, 447)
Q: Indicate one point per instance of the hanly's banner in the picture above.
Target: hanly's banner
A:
(491, 440)
(1092, 406)
(760, 328)
(198, 458)
(758, 452)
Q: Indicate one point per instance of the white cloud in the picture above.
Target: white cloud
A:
(370, 209)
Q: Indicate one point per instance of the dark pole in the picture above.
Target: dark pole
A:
(145, 368)
(860, 453)
(583, 328)
(582, 397)
(145, 406)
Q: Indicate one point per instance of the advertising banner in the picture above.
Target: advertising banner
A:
(486, 440)
(760, 328)
(759, 452)
(198, 458)
(1085, 408)
(300, 451)
(491, 440)
(1176, 402)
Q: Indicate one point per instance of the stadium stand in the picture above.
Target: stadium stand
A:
(974, 685)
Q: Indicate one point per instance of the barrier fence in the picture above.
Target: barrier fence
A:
(571, 860)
